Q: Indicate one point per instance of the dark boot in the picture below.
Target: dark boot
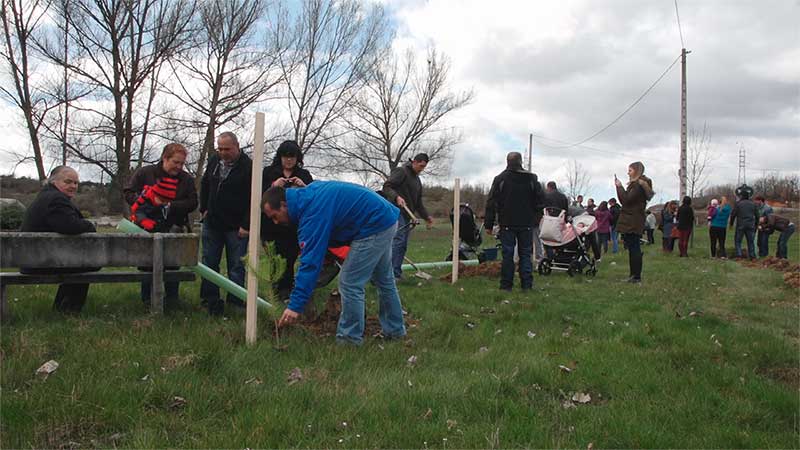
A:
(636, 265)
(70, 298)
(215, 306)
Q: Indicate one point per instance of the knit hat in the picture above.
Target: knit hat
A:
(166, 188)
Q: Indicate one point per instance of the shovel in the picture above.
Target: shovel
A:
(420, 274)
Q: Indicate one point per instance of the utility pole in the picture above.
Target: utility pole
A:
(682, 171)
(742, 178)
(530, 152)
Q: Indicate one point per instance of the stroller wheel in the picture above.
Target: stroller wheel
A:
(574, 268)
(545, 267)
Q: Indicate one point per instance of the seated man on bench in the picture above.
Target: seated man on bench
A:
(53, 211)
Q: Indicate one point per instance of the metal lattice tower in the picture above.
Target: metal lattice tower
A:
(742, 179)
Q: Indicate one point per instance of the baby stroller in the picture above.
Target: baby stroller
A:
(469, 234)
(570, 252)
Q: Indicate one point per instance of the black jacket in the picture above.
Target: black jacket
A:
(404, 182)
(516, 200)
(185, 198)
(556, 200)
(53, 211)
(615, 210)
(685, 217)
(269, 230)
(744, 214)
(227, 201)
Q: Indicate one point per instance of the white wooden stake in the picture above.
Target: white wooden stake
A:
(251, 328)
(456, 225)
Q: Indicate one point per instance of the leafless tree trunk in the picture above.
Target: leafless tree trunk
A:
(699, 156)
(122, 42)
(226, 71)
(337, 45)
(399, 113)
(20, 21)
(578, 179)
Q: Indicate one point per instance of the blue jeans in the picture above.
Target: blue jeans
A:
(400, 245)
(370, 258)
(783, 240)
(214, 241)
(763, 243)
(614, 240)
(748, 234)
(510, 238)
(537, 243)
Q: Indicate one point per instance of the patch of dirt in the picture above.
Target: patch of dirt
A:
(324, 324)
(791, 272)
(488, 269)
(786, 375)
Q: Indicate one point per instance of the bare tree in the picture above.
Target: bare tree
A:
(578, 179)
(122, 43)
(699, 155)
(337, 45)
(20, 22)
(226, 71)
(399, 113)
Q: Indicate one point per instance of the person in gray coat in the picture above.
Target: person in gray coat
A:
(745, 216)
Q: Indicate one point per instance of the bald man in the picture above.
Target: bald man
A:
(53, 211)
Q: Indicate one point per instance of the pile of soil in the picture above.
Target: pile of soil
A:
(791, 272)
(489, 269)
(324, 324)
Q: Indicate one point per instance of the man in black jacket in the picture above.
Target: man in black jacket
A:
(553, 198)
(53, 211)
(745, 216)
(225, 205)
(514, 199)
(404, 189)
(173, 157)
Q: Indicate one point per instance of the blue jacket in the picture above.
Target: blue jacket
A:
(331, 211)
(721, 219)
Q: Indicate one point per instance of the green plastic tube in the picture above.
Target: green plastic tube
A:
(203, 271)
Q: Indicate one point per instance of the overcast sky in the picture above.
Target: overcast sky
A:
(564, 70)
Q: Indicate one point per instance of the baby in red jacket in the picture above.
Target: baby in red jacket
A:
(152, 207)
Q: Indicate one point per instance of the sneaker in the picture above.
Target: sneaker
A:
(634, 280)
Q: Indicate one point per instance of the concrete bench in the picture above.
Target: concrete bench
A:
(58, 251)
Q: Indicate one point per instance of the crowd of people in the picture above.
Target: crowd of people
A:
(753, 220)
(304, 217)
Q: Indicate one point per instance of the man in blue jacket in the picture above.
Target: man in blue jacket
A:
(335, 212)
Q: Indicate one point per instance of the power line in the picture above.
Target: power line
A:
(630, 155)
(679, 23)
(647, 91)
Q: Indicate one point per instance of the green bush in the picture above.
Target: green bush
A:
(11, 217)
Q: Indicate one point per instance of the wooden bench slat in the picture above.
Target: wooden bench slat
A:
(53, 250)
(9, 278)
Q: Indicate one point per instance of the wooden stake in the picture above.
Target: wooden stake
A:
(456, 225)
(251, 329)
(157, 286)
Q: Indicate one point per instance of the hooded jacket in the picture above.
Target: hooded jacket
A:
(331, 211)
(634, 199)
(745, 214)
(720, 219)
(516, 199)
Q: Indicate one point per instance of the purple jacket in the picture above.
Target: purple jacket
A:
(712, 211)
(603, 220)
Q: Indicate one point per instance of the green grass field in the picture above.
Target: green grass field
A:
(703, 354)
